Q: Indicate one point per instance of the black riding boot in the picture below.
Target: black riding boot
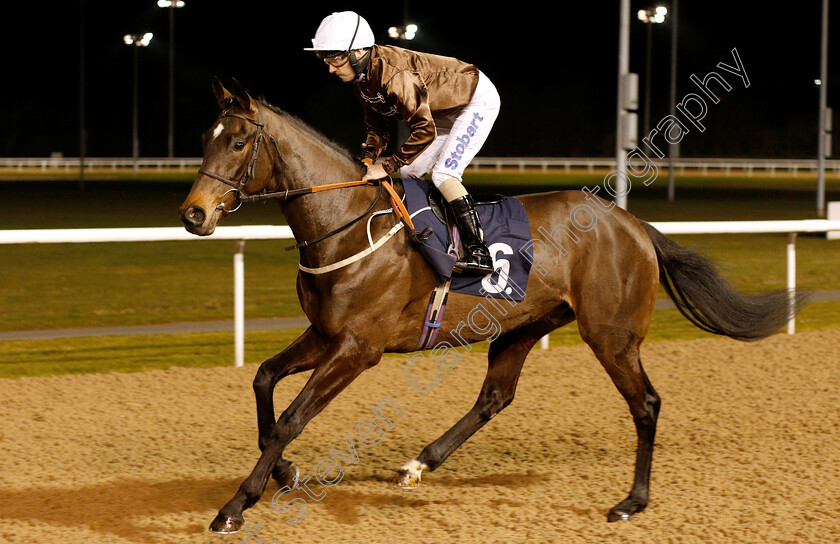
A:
(476, 256)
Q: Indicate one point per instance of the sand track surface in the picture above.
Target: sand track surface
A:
(747, 451)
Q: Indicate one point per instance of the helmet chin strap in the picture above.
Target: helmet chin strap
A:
(359, 65)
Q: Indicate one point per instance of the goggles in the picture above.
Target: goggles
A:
(333, 58)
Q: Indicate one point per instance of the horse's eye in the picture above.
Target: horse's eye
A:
(239, 146)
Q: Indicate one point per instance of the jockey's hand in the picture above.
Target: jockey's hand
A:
(375, 171)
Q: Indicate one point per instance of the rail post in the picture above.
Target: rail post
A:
(239, 304)
(791, 281)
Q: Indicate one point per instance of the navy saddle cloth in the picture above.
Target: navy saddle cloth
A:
(507, 233)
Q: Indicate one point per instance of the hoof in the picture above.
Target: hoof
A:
(624, 510)
(405, 479)
(225, 525)
(615, 515)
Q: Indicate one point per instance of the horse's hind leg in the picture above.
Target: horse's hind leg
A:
(618, 351)
(507, 354)
(299, 356)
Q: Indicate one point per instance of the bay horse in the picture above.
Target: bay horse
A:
(607, 281)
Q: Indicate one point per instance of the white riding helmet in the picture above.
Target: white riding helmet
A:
(342, 31)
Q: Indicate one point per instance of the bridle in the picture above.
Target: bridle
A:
(237, 186)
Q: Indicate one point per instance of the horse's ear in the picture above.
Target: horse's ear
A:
(223, 96)
(241, 95)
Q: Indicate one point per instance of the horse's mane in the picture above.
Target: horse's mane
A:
(308, 129)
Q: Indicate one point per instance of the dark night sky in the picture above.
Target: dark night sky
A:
(555, 68)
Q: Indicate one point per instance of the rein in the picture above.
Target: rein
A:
(307, 243)
(237, 186)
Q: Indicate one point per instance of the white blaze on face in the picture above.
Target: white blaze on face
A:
(217, 130)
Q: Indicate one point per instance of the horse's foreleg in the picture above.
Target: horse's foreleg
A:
(300, 356)
(618, 351)
(343, 360)
(507, 354)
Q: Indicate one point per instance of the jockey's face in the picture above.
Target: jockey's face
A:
(340, 66)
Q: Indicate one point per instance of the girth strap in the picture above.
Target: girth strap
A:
(434, 316)
(358, 256)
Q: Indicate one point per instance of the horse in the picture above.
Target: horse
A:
(362, 304)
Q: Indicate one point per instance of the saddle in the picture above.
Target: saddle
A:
(507, 234)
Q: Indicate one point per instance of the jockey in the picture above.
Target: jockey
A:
(449, 107)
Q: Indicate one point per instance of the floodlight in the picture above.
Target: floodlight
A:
(407, 32)
(655, 15)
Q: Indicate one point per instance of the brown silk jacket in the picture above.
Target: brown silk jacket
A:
(414, 87)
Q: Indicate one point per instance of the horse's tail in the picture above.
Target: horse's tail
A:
(707, 299)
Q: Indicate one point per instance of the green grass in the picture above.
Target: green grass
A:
(87, 285)
(756, 262)
(19, 358)
(28, 358)
(49, 286)
(697, 197)
(57, 204)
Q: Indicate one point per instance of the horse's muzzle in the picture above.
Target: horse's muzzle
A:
(193, 218)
